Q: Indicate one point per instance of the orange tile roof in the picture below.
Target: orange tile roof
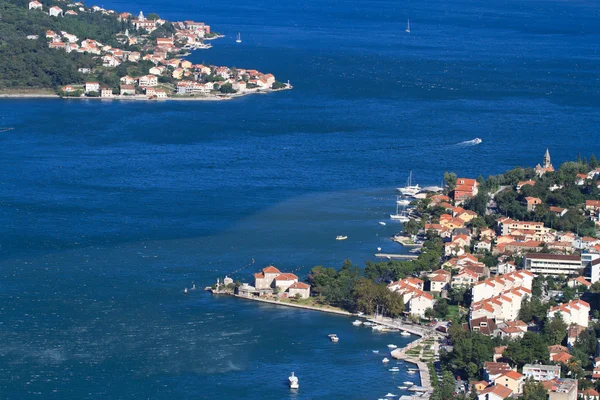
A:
(271, 270)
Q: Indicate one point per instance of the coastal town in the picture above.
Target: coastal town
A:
(505, 284)
(145, 59)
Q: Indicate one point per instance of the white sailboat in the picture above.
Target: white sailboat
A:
(403, 202)
(400, 216)
(408, 26)
(409, 189)
(239, 38)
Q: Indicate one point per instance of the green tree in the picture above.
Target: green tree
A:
(556, 329)
(450, 180)
(533, 390)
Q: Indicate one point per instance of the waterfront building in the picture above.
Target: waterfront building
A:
(106, 92)
(127, 90)
(148, 80)
(540, 372)
(552, 264)
(299, 288)
(465, 189)
(501, 284)
(92, 87)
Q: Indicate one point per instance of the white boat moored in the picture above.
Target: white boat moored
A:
(392, 346)
(382, 223)
(357, 323)
(407, 383)
(294, 381)
(394, 369)
(404, 333)
(385, 360)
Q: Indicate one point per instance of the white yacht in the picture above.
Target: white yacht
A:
(404, 333)
(357, 323)
(341, 237)
(409, 189)
(394, 369)
(410, 371)
(403, 202)
(392, 346)
(334, 338)
(407, 383)
(239, 38)
(294, 381)
(382, 223)
(402, 387)
(385, 360)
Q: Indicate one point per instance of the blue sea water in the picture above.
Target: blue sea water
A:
(109, 209)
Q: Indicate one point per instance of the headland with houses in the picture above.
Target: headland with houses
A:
(144, 60)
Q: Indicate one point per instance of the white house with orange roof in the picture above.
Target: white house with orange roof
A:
(55, 11)
(35, 5)
(439, 280)
(507, 225)
(511, 380)
(265, 278)
(579, 281)
(494, 392)
(465, 189)
(502, 283)
(148, 80)
(525, 183)
(574, 312)
(532, 202)
(465, 278)
(284, 281)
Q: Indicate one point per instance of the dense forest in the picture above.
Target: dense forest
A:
(30, 63)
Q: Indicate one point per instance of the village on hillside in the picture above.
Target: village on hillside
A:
(165, 73)
(508, 268)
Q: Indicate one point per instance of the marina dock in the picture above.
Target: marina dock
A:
(397, 256)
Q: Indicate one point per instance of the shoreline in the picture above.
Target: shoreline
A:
(138, 98)
(398, 354)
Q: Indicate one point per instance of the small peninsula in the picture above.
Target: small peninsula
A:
(63, 48)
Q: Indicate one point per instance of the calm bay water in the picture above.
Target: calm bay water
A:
(109, 209)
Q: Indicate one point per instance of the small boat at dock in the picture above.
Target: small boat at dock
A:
(402, 387)
(404, 333)
(357, 323)
(394, 369)
(412, 372)
(407, 383)
(367, 323)
(390, 395)
(392, 346)
(293, 381)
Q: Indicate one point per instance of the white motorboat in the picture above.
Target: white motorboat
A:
(409, 189)
(402, 387)
(392, 346)
(412, 372)
(367, 323)
(334, 338)
(403, 202)
(375, 351)
(407, 383)
(404, 333)
(379, 249)
(385, 360)
(381, 223)
(341, 237)
(185, 291)
(394, 369)
(239, 38)
(357, 323)
(390, 395)
(477, 140)
(293, 381)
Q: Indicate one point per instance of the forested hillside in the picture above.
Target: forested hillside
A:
(30, 63)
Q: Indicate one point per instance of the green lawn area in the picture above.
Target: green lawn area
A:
(452, 312)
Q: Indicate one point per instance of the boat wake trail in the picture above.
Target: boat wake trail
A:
(468, 143)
